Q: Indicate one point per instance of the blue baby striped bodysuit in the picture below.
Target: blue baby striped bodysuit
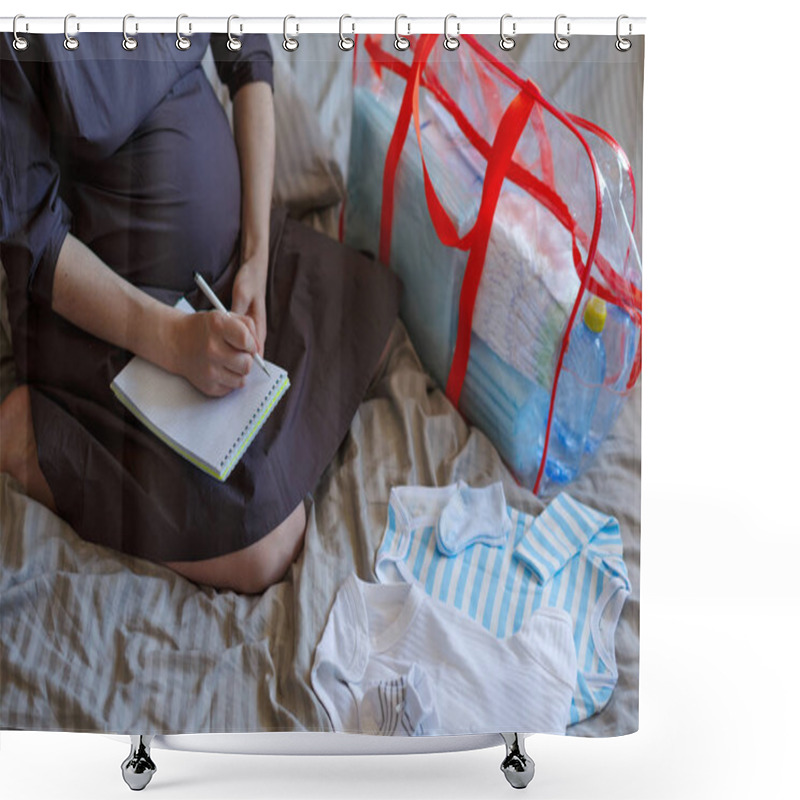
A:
(506, 564)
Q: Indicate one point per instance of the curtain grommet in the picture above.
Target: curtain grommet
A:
(181, 41)
(561, 43)
(20, 42)
(622, 44)
(290, 43)
(451, 42)
(70, 42)
(507, 42)
(345, 42)
(128, 42)
(233, 44)
(400, 42)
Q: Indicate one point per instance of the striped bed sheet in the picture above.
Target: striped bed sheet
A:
(92, 640)
(97, 641)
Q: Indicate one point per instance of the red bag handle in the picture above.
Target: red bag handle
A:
(509, 130)
(499, 163)
(444, 226)
(620, 291)
(476, 240)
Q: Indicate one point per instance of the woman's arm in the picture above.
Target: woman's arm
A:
(212, 350)
(254, 132)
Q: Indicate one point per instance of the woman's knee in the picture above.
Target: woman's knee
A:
(255, 568)
(14, 429)
(273, 556)
(18, 455)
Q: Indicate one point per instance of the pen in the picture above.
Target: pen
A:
(214, 300)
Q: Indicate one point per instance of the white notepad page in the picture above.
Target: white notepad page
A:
(211, 432)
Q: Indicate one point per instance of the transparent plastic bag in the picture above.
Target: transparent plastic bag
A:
(503, 215)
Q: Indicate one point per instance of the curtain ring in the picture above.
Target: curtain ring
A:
(451, 42)
(400, 42)
(128, 42)
(234, 44)
(290, 43)
(345, 43)
(182, 43)
(70, 42)
(507, 42)
(561, 43)
(623, 45)
(20, 42)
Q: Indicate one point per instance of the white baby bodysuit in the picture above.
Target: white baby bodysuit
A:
(395, 661)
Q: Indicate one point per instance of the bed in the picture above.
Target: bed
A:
(101, 642)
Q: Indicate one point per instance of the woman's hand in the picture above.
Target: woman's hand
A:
(249, 297)
(214, 351)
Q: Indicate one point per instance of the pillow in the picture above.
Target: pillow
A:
(307, 176)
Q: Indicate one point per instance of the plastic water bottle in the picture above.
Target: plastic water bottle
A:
(621, 339)
(582, 376)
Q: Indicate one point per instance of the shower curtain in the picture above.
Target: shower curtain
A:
(434, 586)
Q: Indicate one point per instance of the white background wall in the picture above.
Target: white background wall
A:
(720, 533)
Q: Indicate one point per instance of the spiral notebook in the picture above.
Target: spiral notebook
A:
(210, 432)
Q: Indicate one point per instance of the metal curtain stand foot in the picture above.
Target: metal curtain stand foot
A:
(517, 766)
(138, 768)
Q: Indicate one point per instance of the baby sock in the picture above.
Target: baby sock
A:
(402, 706)
(473, 516)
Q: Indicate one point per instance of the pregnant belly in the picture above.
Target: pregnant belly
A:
(167, 202)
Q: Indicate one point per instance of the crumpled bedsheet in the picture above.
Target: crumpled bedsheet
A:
(93, 640)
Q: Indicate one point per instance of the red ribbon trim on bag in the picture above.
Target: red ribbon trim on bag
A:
(627, 292)
(620, 291)
(445, 227)
(528, 104)
(508, 133)
(476, 240)
(390, 170)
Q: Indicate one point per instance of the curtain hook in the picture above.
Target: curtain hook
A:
(20, 42)
(128, 42)
(623, 45)
(507, 42)
(451, 42)
(182, 43)
(561, 43)
(290, 43)
(345, 43)
(400, 42)
(70, 42)
(234, 44)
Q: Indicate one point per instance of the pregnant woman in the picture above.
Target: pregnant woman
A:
(119, 178)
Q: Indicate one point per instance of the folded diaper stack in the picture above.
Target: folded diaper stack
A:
(527, 287)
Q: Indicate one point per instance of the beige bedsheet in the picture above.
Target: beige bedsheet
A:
(92, 640)
(96, 641)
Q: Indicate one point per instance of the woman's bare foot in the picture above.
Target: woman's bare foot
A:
(18, 456)
(254, 568)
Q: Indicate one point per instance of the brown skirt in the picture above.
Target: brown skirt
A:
(329, 314)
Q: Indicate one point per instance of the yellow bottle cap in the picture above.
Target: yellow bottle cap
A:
(594, 315)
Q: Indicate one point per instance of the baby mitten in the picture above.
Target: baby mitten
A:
(473, 516)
